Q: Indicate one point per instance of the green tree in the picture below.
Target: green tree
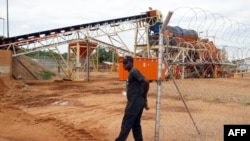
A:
(105, 54)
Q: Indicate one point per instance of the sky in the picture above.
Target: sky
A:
(28, 16)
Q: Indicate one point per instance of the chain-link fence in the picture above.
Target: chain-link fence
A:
(198, 107)
(211, 103)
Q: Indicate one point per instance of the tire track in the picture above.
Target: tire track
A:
(68, 131)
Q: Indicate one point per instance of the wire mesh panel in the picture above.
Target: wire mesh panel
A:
(206, 86)
(212, 103)
(196, 107)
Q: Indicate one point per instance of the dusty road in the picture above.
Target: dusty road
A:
(92, 111)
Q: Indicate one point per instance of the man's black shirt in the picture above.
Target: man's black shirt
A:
(134, 84)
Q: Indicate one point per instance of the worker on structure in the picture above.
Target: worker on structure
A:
(137, 89)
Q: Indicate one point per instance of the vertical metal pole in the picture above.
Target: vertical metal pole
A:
(7, 18)
(158, 97)
(77, 65)
(88, 65)
(147, 40)
(97, 58)
(68, 62)
(113, 61)
(183, 67)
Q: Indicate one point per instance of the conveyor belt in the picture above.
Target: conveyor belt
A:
(69, 28)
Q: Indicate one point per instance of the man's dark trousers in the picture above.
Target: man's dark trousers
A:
(132, 119)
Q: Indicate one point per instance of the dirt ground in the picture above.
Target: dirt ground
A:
(35, 110)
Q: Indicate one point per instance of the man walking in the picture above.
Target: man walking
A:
(137, 89)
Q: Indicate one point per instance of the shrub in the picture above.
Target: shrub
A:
(46, 75)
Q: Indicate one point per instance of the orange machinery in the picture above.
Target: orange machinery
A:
(80, 49)
(147, 66)
(83, 47)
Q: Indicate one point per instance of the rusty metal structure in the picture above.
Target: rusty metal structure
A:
(51, 40)
(189, 53)
(192, 55)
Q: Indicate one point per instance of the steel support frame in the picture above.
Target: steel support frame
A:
(37, 43)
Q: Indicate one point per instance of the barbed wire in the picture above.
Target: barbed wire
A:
(222, 29)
